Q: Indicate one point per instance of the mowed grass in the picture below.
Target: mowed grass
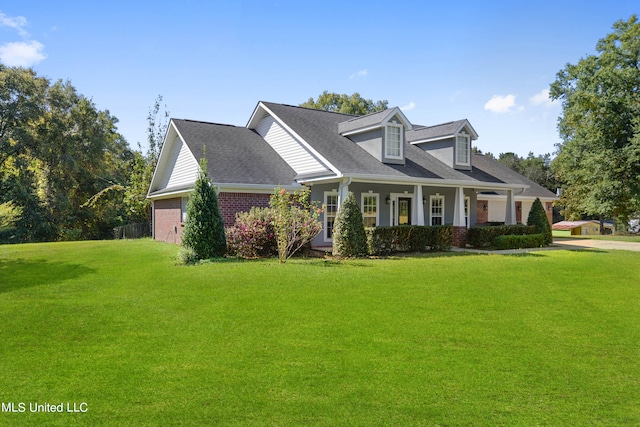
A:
(551, 338)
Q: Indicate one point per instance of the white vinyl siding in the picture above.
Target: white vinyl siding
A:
(292, 151)
(183, 166)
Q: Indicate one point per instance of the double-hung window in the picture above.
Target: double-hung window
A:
(393, 141)
(463, 149)
(370, 209)
(436, 209)
(331, 210)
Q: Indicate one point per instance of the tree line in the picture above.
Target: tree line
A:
(65, 171)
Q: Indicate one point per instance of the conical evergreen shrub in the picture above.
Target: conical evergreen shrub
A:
(204, 228)
(349, 238)
(538, 219)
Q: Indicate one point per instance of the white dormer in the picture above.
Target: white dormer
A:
(449, 142)
(381, 134)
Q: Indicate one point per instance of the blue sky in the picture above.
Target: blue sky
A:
(489, 62)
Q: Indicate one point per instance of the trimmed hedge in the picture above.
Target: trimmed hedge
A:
(408, 238)
(483, 237)
(512, 241)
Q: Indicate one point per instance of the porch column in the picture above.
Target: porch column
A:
(418, 210)
(343, 192)
(458, 208)
(510, 214)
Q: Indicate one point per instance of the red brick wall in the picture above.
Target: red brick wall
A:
(231, 203)
(548, 207)
(460, 236)
(167, 225)
(482, 214)
(168, 213)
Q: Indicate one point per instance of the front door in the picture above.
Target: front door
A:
(404, 211)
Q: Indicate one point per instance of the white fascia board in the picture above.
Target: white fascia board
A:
(520, 198)
(225, 188)
(254, 116)
(424, 181)
(161, 155)
(299, 138)
(161, 161)
(254, 188)
(465, 123)
(361, 130)
(397, 111)
(437, 138)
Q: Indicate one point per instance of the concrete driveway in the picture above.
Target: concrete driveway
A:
(568, 243)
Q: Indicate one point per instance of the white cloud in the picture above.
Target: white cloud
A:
(361, 73)
(410, 106)
(501, 104)
(542, 99)
(22, 54)
(17, 23)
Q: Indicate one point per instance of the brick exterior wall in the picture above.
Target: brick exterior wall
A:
(167, 220)
(232, 203)
(548, 208)
(168, 226)
(482, 214)
(460, 236)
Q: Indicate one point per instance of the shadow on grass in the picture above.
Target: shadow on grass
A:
(19, 273)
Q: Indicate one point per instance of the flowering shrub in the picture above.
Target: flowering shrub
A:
(295, 221)
(252, 235)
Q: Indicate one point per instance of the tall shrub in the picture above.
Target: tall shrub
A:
(295, 220)
(349, 237)
(204, 228)
(252, 235)
(538, 219)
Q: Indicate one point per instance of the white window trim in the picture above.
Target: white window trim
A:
(467, 211)
(431, 199)
(393, 205)
(467, 138)
(377, 197)
(326, 212)
(386, 142)
(183, 209)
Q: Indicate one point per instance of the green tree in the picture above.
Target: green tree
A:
(204, 228)
(142, 166)
(538, 219)
(598, 162)
(349, 237)
(58, 153)
(343, 103)
(295, 220)
(536, 168)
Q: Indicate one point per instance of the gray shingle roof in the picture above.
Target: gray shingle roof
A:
(320, 130)
(235, 154)
(360, 122)
(434, 132)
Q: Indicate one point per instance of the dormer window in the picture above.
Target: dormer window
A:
(393, 141)
(463, 149)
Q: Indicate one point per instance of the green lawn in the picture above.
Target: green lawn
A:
(619, 238)
(550, 338)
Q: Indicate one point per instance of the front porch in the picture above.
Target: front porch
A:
(405, 203)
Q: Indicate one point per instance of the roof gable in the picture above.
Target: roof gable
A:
(235, 155)
(372, 121)
(442, 131)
